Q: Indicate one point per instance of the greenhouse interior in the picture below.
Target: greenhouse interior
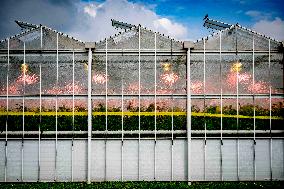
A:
(140, 105)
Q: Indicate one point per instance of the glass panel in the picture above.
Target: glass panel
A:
(212, 74)
(32, 76)
(147, 122)
(3, 116)
(48, 74)
(48, 117)
(179, 107)
(65, 115)
(48, 39)
(262, 110)
(114, 121)
(15, 122)
(262, 78)
(32, 122)
(16, 75)
(197, 117)
(31, 39)
(115, 67)
(65, 75)
(212, 110)
(277, 113)
(131, 122)
(276, 66)
(147, 75)
(81, 73)
(66, 42)
(99, 121)
(81, 121)
(245, 67)
(125, 40)
(164, 106)
(147, 40)
(99, 77)
(130, 73)
(246, 114)
(229, 74)
(230, 114)
(196, 74)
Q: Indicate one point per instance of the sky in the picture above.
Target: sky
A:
(90, 20)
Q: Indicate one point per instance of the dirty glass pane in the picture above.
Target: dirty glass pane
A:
(81, 73)
(66, 42)
(130, 74)
(147, 74)
(196, 73)
(115, 67)
(164, 118)
(277, 113)
(262, 78)
(32, 76)
(16, 75)
(197, 117)
(48, 74)
(229, 74)
(49, 39)
(125, 40)
(65, 75)
(212, 74)
(276, 66)
(3, 116)
(147, 40)
(99, 77)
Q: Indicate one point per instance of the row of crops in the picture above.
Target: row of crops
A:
(165, 120)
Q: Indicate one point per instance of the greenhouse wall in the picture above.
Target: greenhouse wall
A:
(141, 106)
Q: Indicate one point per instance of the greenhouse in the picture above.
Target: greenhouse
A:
(140, 105)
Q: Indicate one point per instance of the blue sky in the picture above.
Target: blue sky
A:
(89, 20)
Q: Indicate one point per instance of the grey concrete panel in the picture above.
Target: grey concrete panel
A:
(30, 160)
(278, 159)
(64, 160)
(180, 160)
(213, 160)
(98, 160)
(262, 159)
(164, 160)
(197, 160)
(130, 160)
(147, 160)
(14, 160)
(246, 159)
(113, 161)
(2, 161)
(47, 160)
(229, 159)
(80, 160)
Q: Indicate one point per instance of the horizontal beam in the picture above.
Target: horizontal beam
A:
(128, 96)
(146, 132)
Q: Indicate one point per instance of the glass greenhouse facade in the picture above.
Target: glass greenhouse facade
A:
(141, 106)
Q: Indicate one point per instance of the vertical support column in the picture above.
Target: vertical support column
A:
(155, 144)
(188, 45)
(56, 108)
(23, 134)
(40, 104)
(122, 129)
(73, 112)
(204, 96)
(7, 110)
(238, 142)
(139, 100)
(270, 110)
(89, 46)
(221, 107)
(172, 124)
(106, 101)
(253, 84)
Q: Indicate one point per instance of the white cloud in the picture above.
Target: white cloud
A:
(94, 20)
(273, 28)
(258, 15)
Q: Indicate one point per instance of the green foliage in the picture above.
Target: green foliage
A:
(163, 122)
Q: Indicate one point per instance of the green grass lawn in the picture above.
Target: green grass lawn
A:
(157, 185)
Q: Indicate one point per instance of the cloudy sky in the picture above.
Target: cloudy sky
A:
(89, 20)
